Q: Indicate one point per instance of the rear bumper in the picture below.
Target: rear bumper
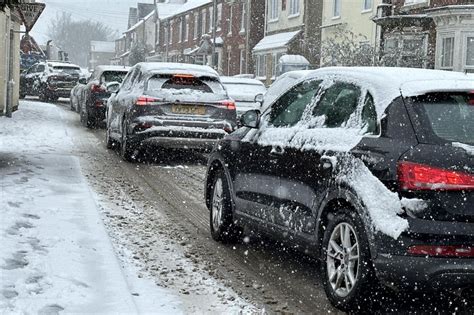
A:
(396, 267)
(178, 134)
(432, 272)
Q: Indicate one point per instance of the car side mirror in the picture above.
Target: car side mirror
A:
(250, 118)
(259, 99)
(82, 81)
(113, 87)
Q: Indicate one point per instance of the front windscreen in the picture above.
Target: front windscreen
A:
(450, 116)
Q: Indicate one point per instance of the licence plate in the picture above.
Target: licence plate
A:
(188, 109)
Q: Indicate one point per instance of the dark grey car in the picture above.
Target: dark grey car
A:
(170, 105)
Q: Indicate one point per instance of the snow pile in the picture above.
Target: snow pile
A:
(468, 148)
(414, 205)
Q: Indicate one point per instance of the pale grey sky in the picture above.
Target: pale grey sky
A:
(113, 13)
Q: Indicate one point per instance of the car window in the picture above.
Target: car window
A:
(112, 76)
(32, 70)
(288, 109)
(369, 115)
(127, 82)
(337, 104)
(39, 68)
(184, 82)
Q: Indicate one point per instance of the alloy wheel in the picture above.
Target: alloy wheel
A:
(217, 204)
(343, 259)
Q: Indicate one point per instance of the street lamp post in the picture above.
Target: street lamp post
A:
(214, 24)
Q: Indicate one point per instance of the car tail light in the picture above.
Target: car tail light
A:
(227, 104)
(183, 76)
(442, 251)
(97, 88)
(99, 103)
(145, 100)
(470, 98)
(413, 176)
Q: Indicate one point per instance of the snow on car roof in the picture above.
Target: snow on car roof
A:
(103, 68)
(387, 83)
(167, 67)
(235, 80)
(62, 64)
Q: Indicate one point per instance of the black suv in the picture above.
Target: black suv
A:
(369, 169)
(49, 80)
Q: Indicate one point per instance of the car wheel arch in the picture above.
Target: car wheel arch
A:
(343, 198)
(214, 167)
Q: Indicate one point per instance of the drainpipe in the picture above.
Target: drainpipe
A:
(214, 24)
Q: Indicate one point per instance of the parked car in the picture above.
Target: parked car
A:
(49, 80)
(169, 104)
(369, 169)
(89, 98)
(244, 92)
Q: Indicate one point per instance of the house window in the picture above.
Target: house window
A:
(470, 51)
(219, 17)
(203, 22)
(274, 65)
(273, 9)
(243, 21)
(231, 17)
(336, 8)
(242, 61)
(196, 25)
(367, 5)
(211, 19)
(405, 50)
(186, 28)
(181, 29)
(447, 50)
(170, 34)
(261, 65)
(294, 7)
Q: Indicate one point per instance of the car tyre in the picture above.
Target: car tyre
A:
(86, 120)
(127, 149)
(43, 97)
(222, 225)
(109, 142)
(347, 271)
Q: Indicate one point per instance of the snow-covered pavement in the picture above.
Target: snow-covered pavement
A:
(55, 252)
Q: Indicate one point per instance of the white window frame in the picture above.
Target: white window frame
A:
(442, 65)
(336, 9)
(231, 17)
(211, 19)
(219, 17)
(203, 25)
(466, 67)
(170, 34)
(181, 29)
(261, 66)
(273, 10)
(186, 28)
(196, 25)
(243, 18)
(294, 8)
(367, 5)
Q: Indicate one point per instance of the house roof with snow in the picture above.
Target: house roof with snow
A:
(275, 41)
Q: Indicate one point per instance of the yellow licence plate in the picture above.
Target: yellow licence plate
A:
(188, 110)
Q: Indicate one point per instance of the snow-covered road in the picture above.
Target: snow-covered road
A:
(55, 252)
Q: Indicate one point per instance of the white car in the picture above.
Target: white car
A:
(244, 91)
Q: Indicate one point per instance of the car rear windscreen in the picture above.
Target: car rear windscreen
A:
(243, 88)
(113, 76)
(185, 82)
(450, 116)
